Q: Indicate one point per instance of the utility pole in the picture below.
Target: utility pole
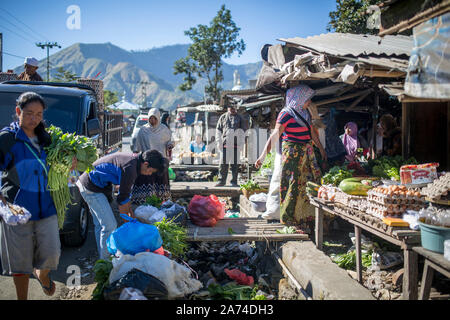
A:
(144, 93)
(1, 52)
(48, 45)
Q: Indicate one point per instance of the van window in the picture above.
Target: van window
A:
(91, 111)
(62, 111)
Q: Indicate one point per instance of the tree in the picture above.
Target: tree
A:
(210, 44)
(63, 75)
(110, 97)
(351, 17)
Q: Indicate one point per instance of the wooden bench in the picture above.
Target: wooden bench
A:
(433, 261)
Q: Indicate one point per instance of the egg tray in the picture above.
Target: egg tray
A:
(439, 188)
(383, 199)
(381, 211)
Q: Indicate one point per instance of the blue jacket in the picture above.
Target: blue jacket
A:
(118, 168)
(24, 180)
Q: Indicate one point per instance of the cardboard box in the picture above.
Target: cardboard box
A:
(418, 174)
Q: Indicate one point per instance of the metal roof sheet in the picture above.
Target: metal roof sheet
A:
(346, 44)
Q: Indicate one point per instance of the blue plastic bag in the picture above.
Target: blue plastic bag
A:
(134, 237)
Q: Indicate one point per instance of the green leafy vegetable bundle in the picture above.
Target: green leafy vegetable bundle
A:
(389, 167)
(336, 174)
(153, 201)
(60, 153)
(348, 260)
(230, 291)
(173, 236)
(102, 269)
(250, 185)
(269, 163)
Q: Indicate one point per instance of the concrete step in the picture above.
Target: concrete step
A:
(321, 278)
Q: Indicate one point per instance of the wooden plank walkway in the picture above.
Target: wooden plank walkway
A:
(243, 229)
(194, 167)
(181, 189)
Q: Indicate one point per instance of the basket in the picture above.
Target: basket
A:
(248, 193)
(97, 85)
(6, 76)
(433, 237)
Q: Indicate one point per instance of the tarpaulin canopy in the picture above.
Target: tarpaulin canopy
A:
(429, 65)
(124, 105)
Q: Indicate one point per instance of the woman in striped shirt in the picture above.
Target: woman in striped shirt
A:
(299, 162)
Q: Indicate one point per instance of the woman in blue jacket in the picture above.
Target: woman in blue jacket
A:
(34, 247)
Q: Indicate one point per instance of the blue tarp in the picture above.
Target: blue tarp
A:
(429, 65)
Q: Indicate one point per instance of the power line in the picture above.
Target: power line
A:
(19, 28)
(28, 40)
(40, 35)
(13, 55)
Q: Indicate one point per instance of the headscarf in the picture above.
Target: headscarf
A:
(295, 100)
(155, 113)
(157, 137)
(351, 142)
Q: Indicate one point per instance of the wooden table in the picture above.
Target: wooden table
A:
(433, 261)
(401, 236)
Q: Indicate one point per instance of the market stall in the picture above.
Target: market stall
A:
(389, 201)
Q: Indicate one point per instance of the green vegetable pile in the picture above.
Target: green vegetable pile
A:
(347, 260)
(389, 167)
(173, 236)
(233, 291)
(102, 269)
(153, 201)
(336, 174)
(60, 152)
(249, 185)
(287, 230)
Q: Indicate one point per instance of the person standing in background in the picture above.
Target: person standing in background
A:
(30, 74)
(154, 136)
(227, 128)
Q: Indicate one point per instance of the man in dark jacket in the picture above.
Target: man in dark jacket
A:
(120, 169)
(230, 133)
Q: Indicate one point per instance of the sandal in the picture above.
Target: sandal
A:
(49, 289)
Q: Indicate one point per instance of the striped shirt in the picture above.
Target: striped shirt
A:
(293, 132)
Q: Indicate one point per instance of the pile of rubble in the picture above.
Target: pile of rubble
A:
(212, 262)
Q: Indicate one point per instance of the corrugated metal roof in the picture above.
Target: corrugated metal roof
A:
(260, 103)
(202, 108)
(346, 44)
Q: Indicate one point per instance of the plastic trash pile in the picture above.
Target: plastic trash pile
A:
(141, 268)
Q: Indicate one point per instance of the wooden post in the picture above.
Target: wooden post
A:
(358, 253)
(319, 228)
(427, 279)
(406, 130)
(376, 107)
(410, 276)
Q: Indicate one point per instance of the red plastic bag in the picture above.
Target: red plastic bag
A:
(240, 277)
(206, 211)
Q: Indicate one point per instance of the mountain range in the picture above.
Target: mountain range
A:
(122, 71)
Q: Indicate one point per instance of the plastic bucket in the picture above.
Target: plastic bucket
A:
(433, 237)
(259, 206)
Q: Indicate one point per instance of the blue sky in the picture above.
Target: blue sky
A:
(140, 24)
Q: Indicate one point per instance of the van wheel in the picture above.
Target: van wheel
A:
(79, 234)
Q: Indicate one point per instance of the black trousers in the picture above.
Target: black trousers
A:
(223, 172)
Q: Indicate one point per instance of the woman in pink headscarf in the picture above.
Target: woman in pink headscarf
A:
(350, 141)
